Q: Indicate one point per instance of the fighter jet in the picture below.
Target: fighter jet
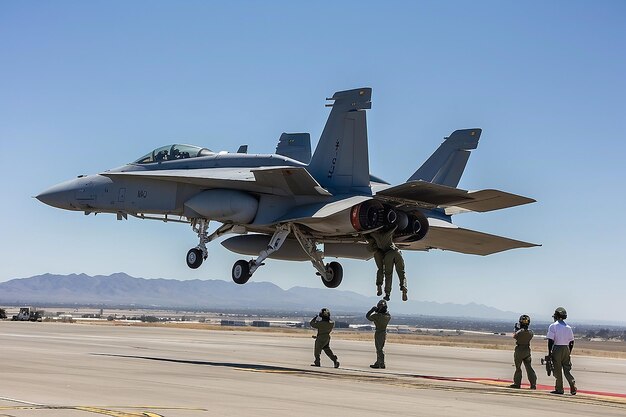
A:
(294, 206)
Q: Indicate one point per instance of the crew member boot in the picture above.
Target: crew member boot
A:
(316, 363)
(404, 296)
(336, 363)
(379, 290)
(387, 297)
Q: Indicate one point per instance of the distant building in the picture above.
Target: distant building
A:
(342, 325)
(233, 323)
(260, 323)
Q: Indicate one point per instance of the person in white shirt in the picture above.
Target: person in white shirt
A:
(560, 344)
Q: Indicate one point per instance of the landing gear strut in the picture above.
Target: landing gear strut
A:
(331, 273)
(243, 270)
(197, 255)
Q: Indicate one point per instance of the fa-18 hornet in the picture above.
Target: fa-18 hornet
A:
(287, 205)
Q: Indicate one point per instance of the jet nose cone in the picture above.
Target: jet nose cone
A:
(60, 195)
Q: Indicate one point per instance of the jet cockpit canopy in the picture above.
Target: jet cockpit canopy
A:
(173, 153)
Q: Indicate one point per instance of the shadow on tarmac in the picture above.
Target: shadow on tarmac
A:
(246, 366)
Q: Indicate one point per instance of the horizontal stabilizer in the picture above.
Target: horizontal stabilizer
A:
(466, 241)
(489, 200)
(428, 195)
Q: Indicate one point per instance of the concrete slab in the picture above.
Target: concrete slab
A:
(54, 369)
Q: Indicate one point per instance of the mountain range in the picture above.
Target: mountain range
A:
(121, 289)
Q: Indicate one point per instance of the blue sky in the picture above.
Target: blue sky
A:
(87, 86)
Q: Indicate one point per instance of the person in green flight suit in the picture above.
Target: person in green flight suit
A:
(523, 336)
(380, 316)
(382, 240)
(322, 341)
(379, 256)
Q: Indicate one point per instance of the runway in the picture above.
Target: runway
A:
(54, 369)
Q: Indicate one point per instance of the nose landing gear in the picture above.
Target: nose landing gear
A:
(197, 255)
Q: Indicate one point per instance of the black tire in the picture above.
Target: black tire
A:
(194, 258)
(334, 275)
(241, 272)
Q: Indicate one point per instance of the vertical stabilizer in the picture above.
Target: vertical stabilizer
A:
(446, 165)
(295, 146)
(341, 162)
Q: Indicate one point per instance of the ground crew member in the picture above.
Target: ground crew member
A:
(322, 341)
(380, 316)
(383, 240)
(522, 337)
(560, 344)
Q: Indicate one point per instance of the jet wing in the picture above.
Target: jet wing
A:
(446, 236)
(429, 195)
(272, 180)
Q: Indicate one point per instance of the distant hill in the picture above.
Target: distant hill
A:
(121, 289)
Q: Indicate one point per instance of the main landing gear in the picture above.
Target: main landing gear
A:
(331, 273)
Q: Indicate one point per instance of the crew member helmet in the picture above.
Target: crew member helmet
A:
(560, 314)
(524, 320)
(381, 307)
(325, 314)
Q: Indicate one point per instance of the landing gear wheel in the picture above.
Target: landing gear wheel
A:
(194, 258)
(241, 272)
(334, 275)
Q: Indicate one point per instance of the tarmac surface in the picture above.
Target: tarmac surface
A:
(54, 370)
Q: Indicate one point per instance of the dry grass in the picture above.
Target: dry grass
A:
(583, 348)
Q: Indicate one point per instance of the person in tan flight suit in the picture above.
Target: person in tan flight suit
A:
(322, 341)
(523, 337)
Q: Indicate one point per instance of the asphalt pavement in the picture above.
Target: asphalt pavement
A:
(55, 369)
